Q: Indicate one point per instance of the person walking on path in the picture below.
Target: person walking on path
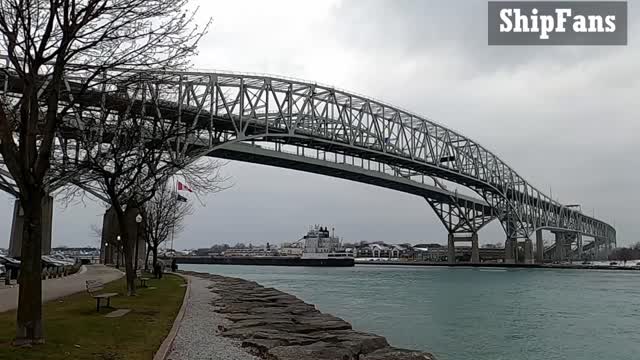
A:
(157, 270)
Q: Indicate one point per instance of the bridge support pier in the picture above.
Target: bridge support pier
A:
(451, 254)
(109, 244)
(475, 249)
(17, 226)
(510, 247)
(111, 251)
(528, 251)
(594, 253)
(539, 247)
(597, 249)
(579, 245)
(559, 254)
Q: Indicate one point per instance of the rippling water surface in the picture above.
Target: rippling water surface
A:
(468, 313)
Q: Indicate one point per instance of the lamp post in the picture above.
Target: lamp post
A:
(138, 221)
(117, 252)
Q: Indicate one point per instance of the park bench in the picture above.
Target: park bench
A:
(93, 288)
(143, 280)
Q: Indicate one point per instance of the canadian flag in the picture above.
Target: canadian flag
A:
(182, 186)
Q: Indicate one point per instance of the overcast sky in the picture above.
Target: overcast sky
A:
(565, 118)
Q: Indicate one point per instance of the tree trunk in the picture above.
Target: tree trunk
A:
(155, 254)
(146, 258)
(29, 328)
(128, 255)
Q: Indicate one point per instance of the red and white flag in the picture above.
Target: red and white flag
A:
(182, 186)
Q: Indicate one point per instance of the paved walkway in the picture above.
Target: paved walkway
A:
(59, 287)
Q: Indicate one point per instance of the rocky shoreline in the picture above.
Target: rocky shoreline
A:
(273, 325)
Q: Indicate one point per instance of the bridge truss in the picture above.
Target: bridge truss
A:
(220, 109)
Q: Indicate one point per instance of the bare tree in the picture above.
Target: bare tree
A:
(43, 42)
(163, 217)
(625, 253)
(95, 231)
(128, 159)
(165, 212)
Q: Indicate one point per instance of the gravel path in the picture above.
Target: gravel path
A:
(198, 336)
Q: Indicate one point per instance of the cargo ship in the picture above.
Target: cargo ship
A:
(319, 248)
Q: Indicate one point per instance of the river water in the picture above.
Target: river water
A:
(471, 313)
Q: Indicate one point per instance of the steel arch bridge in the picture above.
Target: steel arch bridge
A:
(345, 134)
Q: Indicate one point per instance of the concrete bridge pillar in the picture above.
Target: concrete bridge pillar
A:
(510, 246)
(134, 231)
(451, 250)
(111, 251)
(109, 244)
(17, 225)
(539, 247)
(596, 249)
(559, 252)
(579, 245)
(528, 251)
(475, 249)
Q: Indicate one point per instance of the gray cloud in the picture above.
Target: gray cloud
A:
(436, 28)
(564, 117)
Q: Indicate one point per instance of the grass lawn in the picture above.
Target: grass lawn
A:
(74, 330)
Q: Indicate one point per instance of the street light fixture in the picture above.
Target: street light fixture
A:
(117, 252)
(138, 221)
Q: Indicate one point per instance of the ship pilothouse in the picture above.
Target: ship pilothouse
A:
(320, 244)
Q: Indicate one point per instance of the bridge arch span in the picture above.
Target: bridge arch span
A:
(234, 107)
(315, 116)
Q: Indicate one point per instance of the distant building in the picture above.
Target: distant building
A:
(351, 250)
(420, 252)
(382, 250)
(430, 252)
(363, 251)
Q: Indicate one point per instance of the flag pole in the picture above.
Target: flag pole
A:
(175, 201)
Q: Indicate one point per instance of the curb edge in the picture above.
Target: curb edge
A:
(167, 344)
